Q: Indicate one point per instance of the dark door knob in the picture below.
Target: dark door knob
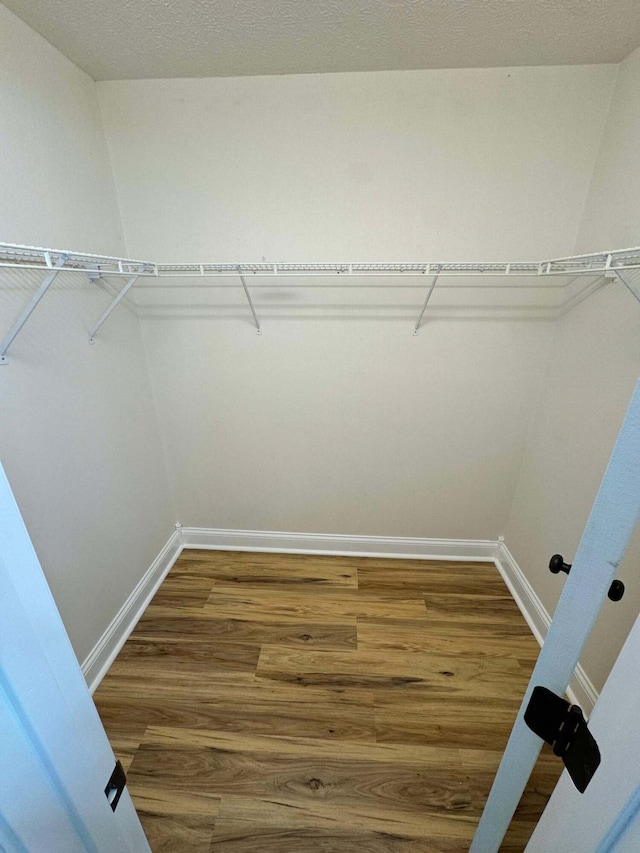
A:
(616, 590)
(557, 564)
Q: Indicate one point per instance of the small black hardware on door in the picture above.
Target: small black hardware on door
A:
(115, 786)
(564, 728)
(557, 565)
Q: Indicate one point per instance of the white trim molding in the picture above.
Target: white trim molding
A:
(581, 690)
(484, 550)
(106, 649)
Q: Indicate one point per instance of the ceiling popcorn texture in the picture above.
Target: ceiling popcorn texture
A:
(132, 39)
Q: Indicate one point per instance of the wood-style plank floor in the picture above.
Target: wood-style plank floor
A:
(301, 704)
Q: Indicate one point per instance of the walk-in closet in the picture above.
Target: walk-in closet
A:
(319, 427)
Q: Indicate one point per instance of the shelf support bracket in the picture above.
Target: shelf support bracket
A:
(416, 328)
(628, 283)
(30, 308)
(108, 311)
(250, 301)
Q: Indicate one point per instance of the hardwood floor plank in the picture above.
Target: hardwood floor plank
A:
(131, 687)
(426, 637)
(472, 608)
(250, 709)
(169, 833)
(364, 785)
(476, 579)
(164, 624)
(301, 747)
(247, 813)
(394, 563)
(174, 820)
(236, 836)
(255, 568)
(186, 655)
(436, 720)
(435, 674)
(132, 680)
(180, 591)
(506, 629)
(156, 800)
(317, 604)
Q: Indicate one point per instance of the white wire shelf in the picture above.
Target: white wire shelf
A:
(589, 264)
(31, 257)
(13, 256)
(616, 264)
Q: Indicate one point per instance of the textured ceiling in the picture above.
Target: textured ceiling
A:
(128, 39)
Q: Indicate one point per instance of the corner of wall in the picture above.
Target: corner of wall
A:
(577, 248)
(116, 188)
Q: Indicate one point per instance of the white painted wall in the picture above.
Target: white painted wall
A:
(57, 183)
(460, 164)
(612, 213)
(345, 427)
(593, 367)
(357, 427)
(78, 432)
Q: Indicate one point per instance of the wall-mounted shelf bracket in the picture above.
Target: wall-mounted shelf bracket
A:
(625, 278)
(416, 328)
(108, 311)
(32, 304)
(250, 301)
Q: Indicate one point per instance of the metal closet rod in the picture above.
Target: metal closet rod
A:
(615, 263)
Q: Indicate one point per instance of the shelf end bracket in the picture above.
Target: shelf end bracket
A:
(416, 328)
(31, 306)
(111, 308)
(626, 279)
(250, 301)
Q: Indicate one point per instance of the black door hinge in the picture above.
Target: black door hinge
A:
(564, 728)
(115, 786)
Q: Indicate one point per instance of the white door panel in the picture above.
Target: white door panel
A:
(50, 716)
(605, 817)
(23, 782)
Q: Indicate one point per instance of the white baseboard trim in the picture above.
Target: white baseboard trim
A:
(106, 649)
(484, 550)
(581, 690)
